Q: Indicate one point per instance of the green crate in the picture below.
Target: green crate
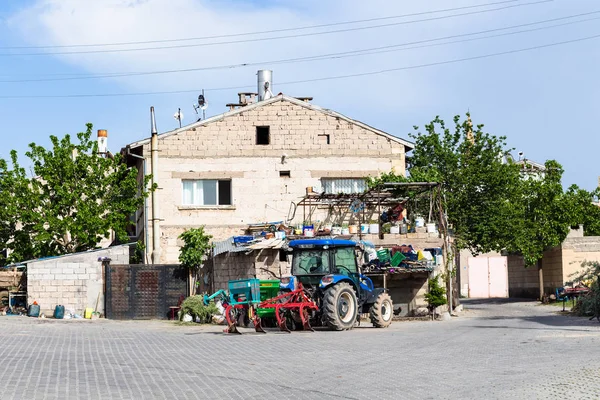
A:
(383, 255)
(397, 259)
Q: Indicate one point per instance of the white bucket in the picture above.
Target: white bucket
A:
(419, 222)
(336, 230)
(395, 229)
(364, 228)
(373, 228)
(345, 231)
(431, 228)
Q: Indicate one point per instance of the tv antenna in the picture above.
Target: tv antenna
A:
(178, 116)
(202, 105)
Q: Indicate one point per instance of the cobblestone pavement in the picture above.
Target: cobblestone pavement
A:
(493, 350)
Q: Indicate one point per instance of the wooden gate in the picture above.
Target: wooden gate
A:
(140, 291)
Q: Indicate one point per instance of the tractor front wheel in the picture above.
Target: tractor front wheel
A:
(340, 307)
(381, 311)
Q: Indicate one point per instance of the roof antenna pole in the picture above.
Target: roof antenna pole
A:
(203, 109)
(154, 171)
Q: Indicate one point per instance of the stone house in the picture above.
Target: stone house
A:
(249, 164)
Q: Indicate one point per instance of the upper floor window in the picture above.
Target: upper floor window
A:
(343, 185)
(206, 192)
(263, 135)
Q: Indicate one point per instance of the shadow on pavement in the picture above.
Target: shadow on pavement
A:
(470, 302)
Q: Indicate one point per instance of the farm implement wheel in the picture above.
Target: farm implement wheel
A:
(340, 307)
(381, 311)
(231, 316)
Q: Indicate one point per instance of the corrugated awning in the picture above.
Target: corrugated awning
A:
(228, 246)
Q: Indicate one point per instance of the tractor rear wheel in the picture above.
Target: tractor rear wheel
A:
(340, 307)
(381, 311)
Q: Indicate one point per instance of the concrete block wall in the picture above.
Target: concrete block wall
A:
(552, 269)
(559, 266)
(227, 149)
(75, 281)
(269, 266)
(522, 282)
(577, 250)
(231, 266)
(406, 290)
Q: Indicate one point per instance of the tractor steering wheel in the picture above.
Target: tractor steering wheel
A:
(344, 267)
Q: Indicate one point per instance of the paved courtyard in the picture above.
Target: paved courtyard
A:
(494, 350)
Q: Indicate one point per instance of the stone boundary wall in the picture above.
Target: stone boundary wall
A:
(75, 280)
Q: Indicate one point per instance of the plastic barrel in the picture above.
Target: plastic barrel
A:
(34, 311)
(59, 312)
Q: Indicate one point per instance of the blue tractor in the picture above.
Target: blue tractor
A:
(329, 272)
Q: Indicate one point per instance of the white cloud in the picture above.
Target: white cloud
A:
(69, 22)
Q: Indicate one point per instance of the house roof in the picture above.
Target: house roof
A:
(280, 97)
(531, 165)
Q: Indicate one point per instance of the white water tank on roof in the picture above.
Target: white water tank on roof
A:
(265, 84)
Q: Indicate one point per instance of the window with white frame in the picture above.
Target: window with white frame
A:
(207, 192)
(343, 185)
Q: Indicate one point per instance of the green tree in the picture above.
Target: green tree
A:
(195, 250)
(479, 185)
(546, 213)
(75, 198)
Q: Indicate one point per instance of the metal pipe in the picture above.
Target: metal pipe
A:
(147, 249)
(155, 215)
(415, 184)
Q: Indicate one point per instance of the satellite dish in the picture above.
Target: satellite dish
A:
(178, 116)
(202, 105)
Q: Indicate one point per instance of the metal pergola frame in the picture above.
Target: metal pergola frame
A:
(373, 199)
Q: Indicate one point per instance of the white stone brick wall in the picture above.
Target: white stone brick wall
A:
(227, 149)
(75, 281)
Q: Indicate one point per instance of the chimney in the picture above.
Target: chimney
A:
(102, 141)
(265, 84)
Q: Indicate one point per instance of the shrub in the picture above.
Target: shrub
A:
(588, 305)
(437, 294)
(194, 306)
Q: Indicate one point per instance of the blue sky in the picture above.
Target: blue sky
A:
(544, 100)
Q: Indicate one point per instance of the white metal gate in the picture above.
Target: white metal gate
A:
(488, 277)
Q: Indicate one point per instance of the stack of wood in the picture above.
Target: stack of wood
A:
(12, 279)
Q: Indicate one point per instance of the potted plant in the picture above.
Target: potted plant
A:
(345, 229)
(373, 226)
(364, 228)
(386, 227)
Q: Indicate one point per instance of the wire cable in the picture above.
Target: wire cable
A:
(339, 55)
(260, 32)
(377, 72)
(272, 37)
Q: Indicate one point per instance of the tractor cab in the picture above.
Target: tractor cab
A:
(312, 259)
